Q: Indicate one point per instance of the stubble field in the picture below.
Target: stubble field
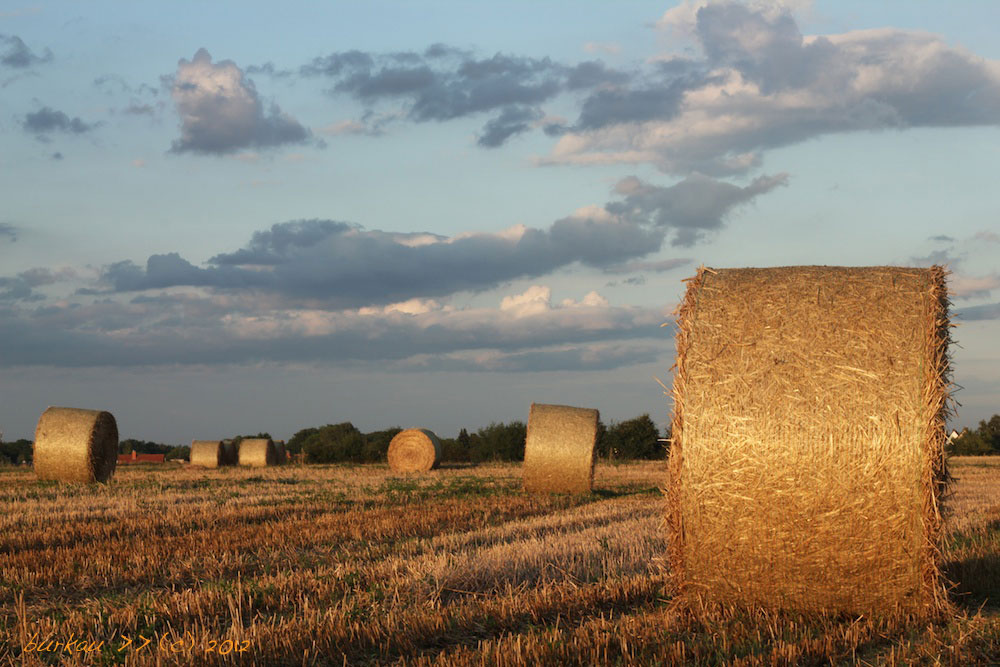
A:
(332, 565)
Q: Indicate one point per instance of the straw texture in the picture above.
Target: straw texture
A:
(807, 462)
(208, 453)
(258, 452)
(414, 450)
(559, 450)
(73, 445)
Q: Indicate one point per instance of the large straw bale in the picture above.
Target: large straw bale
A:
(208, 453)
(414, 450)
(73, 445)
(807, 462)
(258, 452)
(559, 449)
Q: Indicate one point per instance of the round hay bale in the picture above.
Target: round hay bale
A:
(414, 450)
(559, 449)
(73, 445)
(208, 453)
(279, 448)
(258, 453)
(807, 462)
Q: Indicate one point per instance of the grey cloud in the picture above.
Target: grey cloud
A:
(47, 120)
(943, 238)
(593, 357)
(269, 69)
(9, 231)
(14, 289)
(114, 83)
(759, 84)
(139, 109)
(940, 257)
(221, 111)
(57, 156)
(346, 266)
(444, 83)
(766, 49)
(690, 208)
(21, 287)
(179, 329)
(659, 266)
(16, 54)
(989, 311)
(659, 97)
(512, 120)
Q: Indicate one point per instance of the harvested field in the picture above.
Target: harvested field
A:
(322, 565)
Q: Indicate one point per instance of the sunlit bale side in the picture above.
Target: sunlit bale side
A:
(73, 445)
(414, 450)
(807, 463)
(208, 453)
(257, 453)
(559, 449)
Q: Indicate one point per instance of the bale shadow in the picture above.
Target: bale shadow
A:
(976, 578)
(457, 465)
(627, 491)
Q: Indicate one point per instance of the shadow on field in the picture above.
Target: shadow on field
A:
(456, 465)
(627, 491)
(977, 576)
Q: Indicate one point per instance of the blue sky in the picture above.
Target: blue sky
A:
(247, 216)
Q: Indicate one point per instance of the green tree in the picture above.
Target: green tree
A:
(335, 443)
(969, 443)
(294, 445)
(19, 451)
(498, 442)
(989, 431)
(602, 445)
(376, 447)
(635, 438)
(456, 449)
(130, 445)
(180, 452)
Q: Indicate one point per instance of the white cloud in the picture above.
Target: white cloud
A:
(221, 111)
(760, 84)
(533, 301)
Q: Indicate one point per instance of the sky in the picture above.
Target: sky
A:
(235, 217)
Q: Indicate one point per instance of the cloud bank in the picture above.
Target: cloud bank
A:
(758, 83)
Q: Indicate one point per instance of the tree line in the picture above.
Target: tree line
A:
(984, 440)
(635, 438)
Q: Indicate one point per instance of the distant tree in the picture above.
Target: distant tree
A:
(294, 445)
(498, 442)
(602, 445)
(376, 446)
(335, 443)
(970, 443)
(130, 445)
(453, 451)
(180, 452)
(19, 451)
(635, 438)
(989, 431)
